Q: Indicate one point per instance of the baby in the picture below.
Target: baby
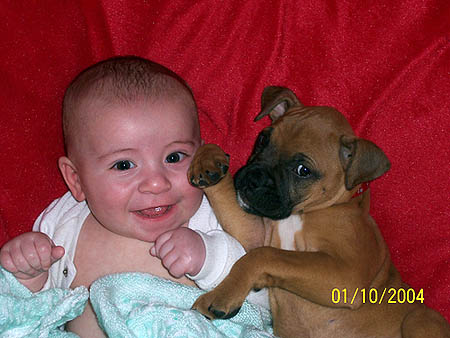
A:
(130, 130)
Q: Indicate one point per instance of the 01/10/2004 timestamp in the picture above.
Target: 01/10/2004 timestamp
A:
(377, 296)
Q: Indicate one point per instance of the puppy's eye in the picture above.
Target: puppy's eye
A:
(262, 141)
(303, 171)
(263, 138)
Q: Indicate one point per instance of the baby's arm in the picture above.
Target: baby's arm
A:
(221, 252)
(217, 252)
(29, 256)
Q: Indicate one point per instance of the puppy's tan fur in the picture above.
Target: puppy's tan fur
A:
(328, 242)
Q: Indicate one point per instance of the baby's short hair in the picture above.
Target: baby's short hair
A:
(120, 80)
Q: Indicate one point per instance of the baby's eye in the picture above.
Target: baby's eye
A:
(175, 157)
(123, 165)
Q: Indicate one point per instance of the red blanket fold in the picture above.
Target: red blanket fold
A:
(386, 66)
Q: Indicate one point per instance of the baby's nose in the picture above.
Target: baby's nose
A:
(155, 182)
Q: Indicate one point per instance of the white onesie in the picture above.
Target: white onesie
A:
(64, 217)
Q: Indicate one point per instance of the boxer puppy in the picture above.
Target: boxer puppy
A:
(297, 210)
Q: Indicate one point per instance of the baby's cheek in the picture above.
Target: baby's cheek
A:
(192, 198)
(194, 193)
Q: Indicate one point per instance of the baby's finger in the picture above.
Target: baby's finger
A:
(31, 256)
(43, 247)
(57, 253)
(7, 262)
(165, 249)
(168, 259)
(160, 241)
(20, 261)
(177, 268)
(153, 250)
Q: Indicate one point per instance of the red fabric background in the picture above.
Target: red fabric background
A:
(385, 65)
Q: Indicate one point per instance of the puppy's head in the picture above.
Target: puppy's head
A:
(309, 158)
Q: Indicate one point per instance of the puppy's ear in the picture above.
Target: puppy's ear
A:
(362, 161)
(275, 101)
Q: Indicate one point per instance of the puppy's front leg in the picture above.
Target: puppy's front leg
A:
(301, 273)
(209, 171)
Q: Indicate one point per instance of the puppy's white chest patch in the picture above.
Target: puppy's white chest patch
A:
(286, 230)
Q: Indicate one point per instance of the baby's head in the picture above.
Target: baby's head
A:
(120, 81)
(131, 130)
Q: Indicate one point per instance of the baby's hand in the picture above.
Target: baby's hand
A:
(28, 256)
(181, 251)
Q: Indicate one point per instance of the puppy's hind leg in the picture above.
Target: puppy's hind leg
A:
(424, 323)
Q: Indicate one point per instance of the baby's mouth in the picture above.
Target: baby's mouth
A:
(154, 212)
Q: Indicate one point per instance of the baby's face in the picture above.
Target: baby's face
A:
(132, 165)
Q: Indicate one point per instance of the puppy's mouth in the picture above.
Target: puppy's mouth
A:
(154, 212)
(274, 210)
(241, 202)
(262, 192)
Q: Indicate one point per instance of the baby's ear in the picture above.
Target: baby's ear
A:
(70, 175)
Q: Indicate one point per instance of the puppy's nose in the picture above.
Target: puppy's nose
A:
(259, 177)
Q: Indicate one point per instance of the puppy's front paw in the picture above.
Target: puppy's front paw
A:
(215, 305)
(209, 166)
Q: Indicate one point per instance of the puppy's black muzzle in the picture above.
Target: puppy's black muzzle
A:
(260, 191)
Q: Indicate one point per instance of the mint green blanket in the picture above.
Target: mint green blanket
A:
(142, 305)
(127, 305)
(27, 314)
